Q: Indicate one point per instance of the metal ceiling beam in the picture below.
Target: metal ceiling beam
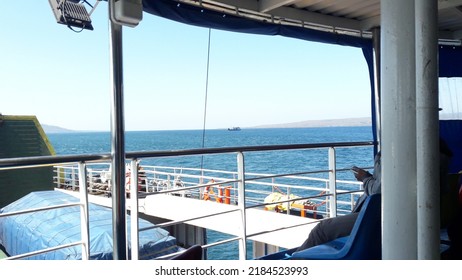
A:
(283, 9)
(268, 5)
(457, 35)
(370, 23)
(450, 35)
(446, 4)
(247, 5)
(317, 18)
(295, 14)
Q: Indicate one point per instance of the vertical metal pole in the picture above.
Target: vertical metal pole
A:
(428, 191)
(73, 178)
(84, 216)
(289, 202)
(61, 181)
(398, 130)
(378, 112)
(134, 210)
(117, 140)
(332, 182)
(241, 205)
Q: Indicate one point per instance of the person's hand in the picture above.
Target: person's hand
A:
(361, 174)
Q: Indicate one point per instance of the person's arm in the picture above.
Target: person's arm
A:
(371, 182)
(372, 185)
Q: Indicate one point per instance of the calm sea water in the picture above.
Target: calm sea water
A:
(258, 162)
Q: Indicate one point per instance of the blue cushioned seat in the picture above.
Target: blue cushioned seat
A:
(281, 255)
(364, 242)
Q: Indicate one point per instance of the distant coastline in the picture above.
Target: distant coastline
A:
(321, 123)
(312, 123)
(55, 129)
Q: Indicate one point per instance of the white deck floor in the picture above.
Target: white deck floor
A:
(257, 221)
(275, 228)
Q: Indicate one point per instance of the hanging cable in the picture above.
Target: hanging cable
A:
(206, 93)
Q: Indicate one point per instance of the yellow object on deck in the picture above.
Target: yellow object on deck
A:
(277, 198)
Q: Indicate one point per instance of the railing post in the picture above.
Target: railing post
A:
(84, 216)
(332, 183)
(241, 205)
(134, 232)
(90, 181)
(73, 178)
(289, 202)
(58, 177)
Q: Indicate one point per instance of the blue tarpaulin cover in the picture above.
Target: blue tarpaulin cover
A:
(25, 233)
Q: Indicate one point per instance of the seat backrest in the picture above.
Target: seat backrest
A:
(363, 243)
(365, 240)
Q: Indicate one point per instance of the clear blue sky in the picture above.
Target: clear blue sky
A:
(62, 76)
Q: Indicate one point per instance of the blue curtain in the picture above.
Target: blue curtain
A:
(450, 61)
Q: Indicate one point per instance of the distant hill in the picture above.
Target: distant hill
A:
(312, 123)
(322, 123)
(55, 129)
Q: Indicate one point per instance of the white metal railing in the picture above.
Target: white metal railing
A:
(84, 222)
(247, 190)
(177, 181)
(189, 183)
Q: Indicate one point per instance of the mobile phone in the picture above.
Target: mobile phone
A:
(355, 169)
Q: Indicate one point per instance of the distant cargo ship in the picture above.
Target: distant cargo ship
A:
(234, 128)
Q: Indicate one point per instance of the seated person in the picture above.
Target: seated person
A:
(340, 226)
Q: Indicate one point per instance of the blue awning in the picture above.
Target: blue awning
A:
(198, 16)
